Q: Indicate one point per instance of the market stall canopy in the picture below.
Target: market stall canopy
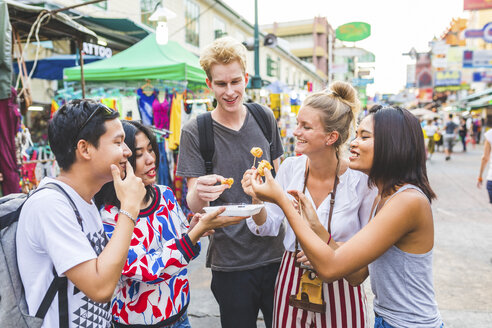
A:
(51, 68)
(476, 95)
(481, 102)
(144, 60)
(120, 33)
(424, 113)
(58, 26)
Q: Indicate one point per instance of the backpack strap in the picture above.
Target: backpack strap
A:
(263, 122)
(58, 284)
(206, 139)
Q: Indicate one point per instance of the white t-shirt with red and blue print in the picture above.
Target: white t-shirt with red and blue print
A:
(154, 287)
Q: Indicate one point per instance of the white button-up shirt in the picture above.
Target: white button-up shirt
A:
(353, 203)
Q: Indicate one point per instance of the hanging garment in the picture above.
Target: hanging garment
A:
(161, 113)
(129, 108)
(163, 177)
(175, 122)
(145, 106)
(9, 125)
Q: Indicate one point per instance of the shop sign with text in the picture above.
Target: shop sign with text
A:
(485, 33)
(482, 77)
(477, 58)
(447, 78)
(96, 50)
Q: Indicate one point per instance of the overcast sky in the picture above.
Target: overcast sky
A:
(397, 26)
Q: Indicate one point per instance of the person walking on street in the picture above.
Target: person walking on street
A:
(450, 130)
(397, 243)
(463, 132)
(486, 158)
(430, 130)
(244, 265)
(323, 127)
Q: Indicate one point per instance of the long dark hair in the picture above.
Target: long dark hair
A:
(107, 194)
(399, 151)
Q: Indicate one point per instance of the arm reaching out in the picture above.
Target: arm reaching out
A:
(203, 190)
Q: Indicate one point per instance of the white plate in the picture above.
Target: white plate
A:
(237, 210)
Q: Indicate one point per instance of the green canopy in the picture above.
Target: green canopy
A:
(144, 60)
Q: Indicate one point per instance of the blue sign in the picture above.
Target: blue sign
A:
(361, 82)
(485, 33)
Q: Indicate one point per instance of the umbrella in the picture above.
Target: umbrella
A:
(425, 113)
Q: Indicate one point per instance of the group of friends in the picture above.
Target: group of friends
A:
(339, 219)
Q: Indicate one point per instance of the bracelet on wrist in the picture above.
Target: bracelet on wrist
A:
(329, 239)
(129, 216)
(480, 179)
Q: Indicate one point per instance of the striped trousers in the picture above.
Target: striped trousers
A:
(345, 305)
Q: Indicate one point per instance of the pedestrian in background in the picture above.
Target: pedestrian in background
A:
(450, 130)
(487, 157)
(430, 131)
(462, 133)
(397, 243)
(323, 127)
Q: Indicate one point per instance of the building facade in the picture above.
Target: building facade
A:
(311, 40)
(200, 22)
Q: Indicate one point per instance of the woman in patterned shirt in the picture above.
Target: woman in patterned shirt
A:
(154, 290)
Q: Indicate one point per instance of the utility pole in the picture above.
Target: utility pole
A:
(256, 79)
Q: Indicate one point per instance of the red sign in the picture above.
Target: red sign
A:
(477, 4)
(425, 95)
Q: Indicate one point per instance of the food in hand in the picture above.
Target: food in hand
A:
(228, 181)
(264, 164)
(256, 152)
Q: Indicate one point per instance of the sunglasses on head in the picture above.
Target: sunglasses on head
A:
(106, 112)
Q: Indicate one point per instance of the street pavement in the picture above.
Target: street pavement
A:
(462, 250)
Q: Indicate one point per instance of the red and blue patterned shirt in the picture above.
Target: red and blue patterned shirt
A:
(154, 287)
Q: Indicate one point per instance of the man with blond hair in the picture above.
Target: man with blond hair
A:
(244, 266)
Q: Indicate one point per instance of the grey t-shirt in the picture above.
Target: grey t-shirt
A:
(233, 248)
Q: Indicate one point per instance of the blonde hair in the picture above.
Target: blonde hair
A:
(339, 107)
(223, 51)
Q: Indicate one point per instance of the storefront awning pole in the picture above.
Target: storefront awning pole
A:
(81, 54)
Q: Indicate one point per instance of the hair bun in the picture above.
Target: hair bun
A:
(344, 90)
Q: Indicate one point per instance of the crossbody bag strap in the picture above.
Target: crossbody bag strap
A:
(332, 196)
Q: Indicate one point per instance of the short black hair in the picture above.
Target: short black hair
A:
(107, 194)
(63, 130)
(399, 151)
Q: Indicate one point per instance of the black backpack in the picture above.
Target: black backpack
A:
(13, 305)
(206, 133)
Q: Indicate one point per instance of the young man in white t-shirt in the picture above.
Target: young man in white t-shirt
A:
(87, 139)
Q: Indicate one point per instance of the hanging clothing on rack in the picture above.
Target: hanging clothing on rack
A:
(145, 105)
(161, 113)
(175, 122)
(163, 177)
(9, 125)
(129, 108)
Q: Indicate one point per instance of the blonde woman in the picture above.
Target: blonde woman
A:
(323, 127)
